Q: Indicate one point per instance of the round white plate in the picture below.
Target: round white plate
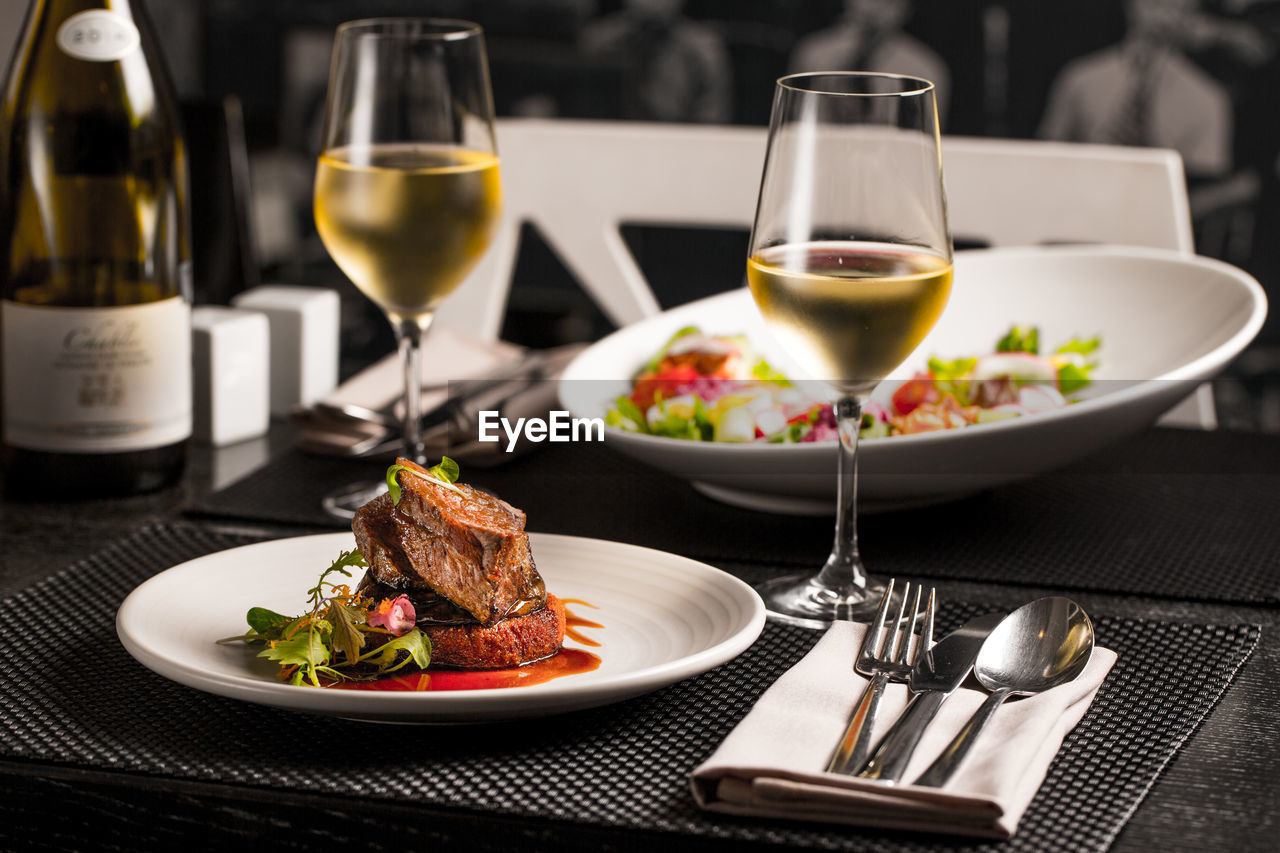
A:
(665, 618)
(1168, 322)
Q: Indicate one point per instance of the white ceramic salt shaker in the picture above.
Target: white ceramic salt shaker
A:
(304, 341)
(231, 352)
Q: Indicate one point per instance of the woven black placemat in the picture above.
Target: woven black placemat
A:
(85, 702)
(1177, 513)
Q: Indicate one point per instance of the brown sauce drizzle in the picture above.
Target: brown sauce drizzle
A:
(572, 622)
(564, 662)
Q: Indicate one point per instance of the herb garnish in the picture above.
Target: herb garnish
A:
(444, 474)
(328, 641)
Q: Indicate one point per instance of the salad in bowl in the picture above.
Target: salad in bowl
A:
(706, 387)
(978, 404)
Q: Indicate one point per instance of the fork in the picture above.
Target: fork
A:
(891, 660)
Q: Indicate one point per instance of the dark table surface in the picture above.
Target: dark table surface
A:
(1220, 792)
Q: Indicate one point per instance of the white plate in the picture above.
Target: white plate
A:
(1168, 322)
(665, 618)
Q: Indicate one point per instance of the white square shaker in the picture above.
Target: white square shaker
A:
(231, 352)
(304, 341)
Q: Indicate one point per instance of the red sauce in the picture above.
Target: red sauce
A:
(563, 662)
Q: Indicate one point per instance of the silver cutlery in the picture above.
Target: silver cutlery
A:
(884, 656)
(349, 430)
(935, 677)
(1040, 645)
(345, 412)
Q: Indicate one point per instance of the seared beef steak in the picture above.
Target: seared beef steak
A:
(463, 544)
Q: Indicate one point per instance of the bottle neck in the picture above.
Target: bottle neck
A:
(59, 23)
(58, 9)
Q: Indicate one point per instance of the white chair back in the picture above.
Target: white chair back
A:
(577, 182)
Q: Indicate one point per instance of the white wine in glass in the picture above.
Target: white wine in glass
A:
(850, 265)
(407, 193)
(407, 222)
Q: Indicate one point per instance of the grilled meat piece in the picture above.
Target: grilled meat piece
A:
(466, 546)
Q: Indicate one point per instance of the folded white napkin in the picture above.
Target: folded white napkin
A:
(772, 763)
(448, 355)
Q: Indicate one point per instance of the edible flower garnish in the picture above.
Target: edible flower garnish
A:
(396, 616)
(444, 474)
(343, 637)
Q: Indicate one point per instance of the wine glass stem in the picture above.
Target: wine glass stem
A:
(843, 569)
(409, 334)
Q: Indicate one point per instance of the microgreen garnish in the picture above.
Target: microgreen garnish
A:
(444, 474)
(328, 642)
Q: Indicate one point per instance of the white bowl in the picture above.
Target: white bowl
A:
(1168, 322)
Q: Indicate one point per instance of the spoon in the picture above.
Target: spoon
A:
(1039, 646)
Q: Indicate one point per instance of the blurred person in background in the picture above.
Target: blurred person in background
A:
(678, 69)
(1146, 91)
(870, 37)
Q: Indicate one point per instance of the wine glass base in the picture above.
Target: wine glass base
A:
(342, 503)
(800, 600)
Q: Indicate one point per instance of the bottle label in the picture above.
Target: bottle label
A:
(96, 380)
(98, 35)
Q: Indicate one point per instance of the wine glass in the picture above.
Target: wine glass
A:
(850, 265)
(407, 195)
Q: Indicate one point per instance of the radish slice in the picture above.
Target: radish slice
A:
(736, 424)
(1002, 412)
(1040, 398)
(876, 410)
(698, 342)
(1020, 366)
(771, 421)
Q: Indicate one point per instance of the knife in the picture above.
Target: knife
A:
(939, 672)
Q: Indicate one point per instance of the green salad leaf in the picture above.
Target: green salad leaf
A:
(627, 415)
(953, 369)
(1020, 339)
(346, 560)
(765, 372)
(347, 639)
(415, 643)
(306, 649)
(266, 622)
(1083, 346)
(334, 639)
(1072, 378)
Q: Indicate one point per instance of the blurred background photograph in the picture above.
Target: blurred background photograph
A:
(1195, 76)
(650, 292)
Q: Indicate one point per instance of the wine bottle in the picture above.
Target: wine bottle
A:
(94, 257)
